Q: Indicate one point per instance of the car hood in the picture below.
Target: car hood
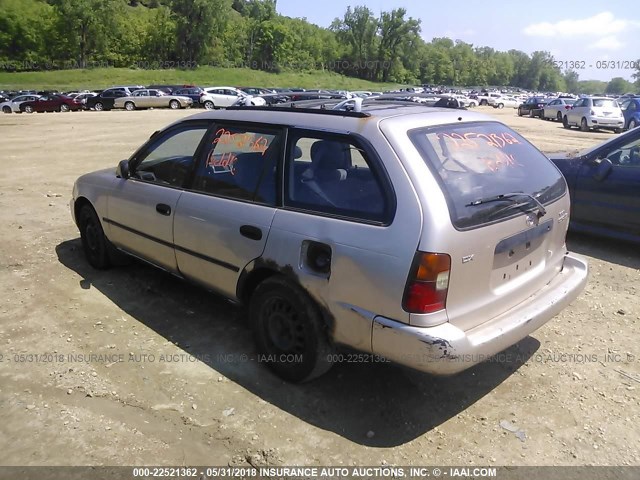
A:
(571, 156)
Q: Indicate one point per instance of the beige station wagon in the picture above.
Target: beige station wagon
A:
(430, 237)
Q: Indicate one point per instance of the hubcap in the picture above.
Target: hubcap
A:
(284, 328)
(92, 236)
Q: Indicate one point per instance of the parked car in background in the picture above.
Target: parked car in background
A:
(196, 94)
(555, 109)
(595, 112)
(51, 103)
(148, 98)
(604, 182)
(82, 98)
(631, 111)
(487, 98)
(13, 105)
(533, 106)
(366, 225)
(255, 90)
(222, 96)
(105, 99)
(505, 101)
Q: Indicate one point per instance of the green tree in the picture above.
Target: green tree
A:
(571, 78)
(618, 86)
(199, 24)
(396, 33)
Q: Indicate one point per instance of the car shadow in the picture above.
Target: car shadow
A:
(372, 404)
(612, 251)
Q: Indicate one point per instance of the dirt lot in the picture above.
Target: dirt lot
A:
(186, 390)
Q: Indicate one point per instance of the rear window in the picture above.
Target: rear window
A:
(601, 102)
(479, 161)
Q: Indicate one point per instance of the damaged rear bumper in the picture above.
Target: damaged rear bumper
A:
(446, 349)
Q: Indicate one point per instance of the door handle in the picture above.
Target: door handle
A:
(249, 231)
(163, 209)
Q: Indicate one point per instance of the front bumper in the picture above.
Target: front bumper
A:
(445, 349)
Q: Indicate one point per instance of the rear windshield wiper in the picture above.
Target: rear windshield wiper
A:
(510, 197)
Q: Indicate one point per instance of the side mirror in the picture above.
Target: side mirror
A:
(603, 168)
(123, 170)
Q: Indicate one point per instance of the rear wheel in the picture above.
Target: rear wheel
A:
(28, 109)
(559, 117)
(531, 113)
(632, 124)
(209, 105)
(130, 106)
(64, 107)
(174, 104)
(519, 112)
(565, 122)
(289, 330)
(99, 106)
(584, 127)
(501, 105)
(6, 109)
(617, 130)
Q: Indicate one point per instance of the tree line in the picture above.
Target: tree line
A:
(37, 34)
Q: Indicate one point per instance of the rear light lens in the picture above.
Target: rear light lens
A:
(428, 283)
(567, 107)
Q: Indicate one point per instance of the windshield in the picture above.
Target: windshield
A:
(476, 161)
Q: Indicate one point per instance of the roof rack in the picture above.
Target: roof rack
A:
(293, 108)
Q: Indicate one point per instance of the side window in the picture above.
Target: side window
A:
(335, 176)
(628, 155)
(241, 162)
(169, 159)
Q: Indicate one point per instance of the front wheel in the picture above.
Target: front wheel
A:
(6, 109)
(64, 107)
(129, 106)
(209, 105)
(289, 330)
(519, 112)
(99, 106)
(94, 242)
(632, 125)
(28, 109)
(174, 104)
(501, 105)
(617, 130)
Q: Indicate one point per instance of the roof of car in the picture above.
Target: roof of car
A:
(316, 117)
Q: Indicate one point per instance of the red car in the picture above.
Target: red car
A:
(51, 103)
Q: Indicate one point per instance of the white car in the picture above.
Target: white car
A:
(501, 102)
(13, 105)
(595, 112)
(221, 96)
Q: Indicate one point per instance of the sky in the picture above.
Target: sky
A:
(600, 38)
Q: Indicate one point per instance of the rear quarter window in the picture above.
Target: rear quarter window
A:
(480, 160)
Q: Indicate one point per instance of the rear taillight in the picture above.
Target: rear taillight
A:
(428, 283)
(567, 107)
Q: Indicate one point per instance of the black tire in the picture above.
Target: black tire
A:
(501, 105)
(632, 124)
(28, 109)
(6, 109)
(484, 103)
(99, 106)
(565, 122)
(130, 106)
(584, 127)
(519, 112)
(174, 104)
(289, 330)
(531, 115)
(64, 107)
(617, 130)
(95, 244)
(559, 117)
(209, 105)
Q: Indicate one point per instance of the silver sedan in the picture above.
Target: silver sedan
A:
(149, 98)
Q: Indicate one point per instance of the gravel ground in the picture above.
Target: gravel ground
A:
(132, 366)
